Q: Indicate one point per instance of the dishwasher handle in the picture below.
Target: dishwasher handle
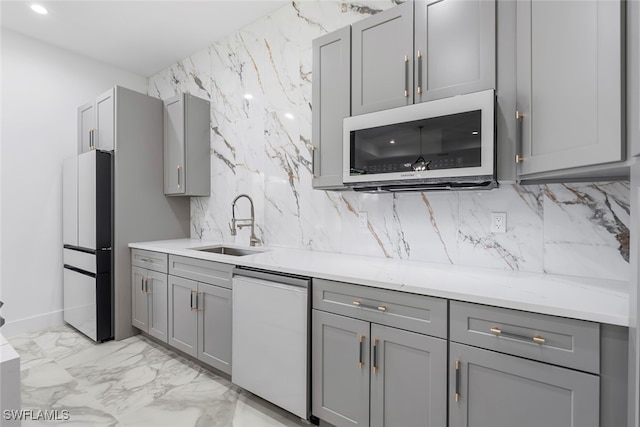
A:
(284, 279)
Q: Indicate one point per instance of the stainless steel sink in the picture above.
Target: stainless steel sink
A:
(225, 250)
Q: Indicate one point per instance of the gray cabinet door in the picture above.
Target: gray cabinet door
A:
(139, 306)
(157, 305)
(497, 390)
(382, 49)
(331, 104)
(340, 369)
(214, 326)
(454, 47)
(86, 125)
(409, 382)
(105, 134)
(183, 319)
(174, 154)
(569, 83)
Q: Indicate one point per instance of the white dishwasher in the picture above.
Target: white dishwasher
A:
(270, 350)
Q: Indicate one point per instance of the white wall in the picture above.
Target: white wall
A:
(41, 87)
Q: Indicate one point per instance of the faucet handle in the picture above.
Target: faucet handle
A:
(232, 227)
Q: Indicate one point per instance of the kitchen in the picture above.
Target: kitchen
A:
(258, 82)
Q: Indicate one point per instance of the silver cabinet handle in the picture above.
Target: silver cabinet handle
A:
(375, 355)
(179, 176)
(361, 351)
(519, 131)
(406, 76)
(142, 284)
(536, 338)
(146, 286)
(419, 56)
(382, 308)
(456, 396)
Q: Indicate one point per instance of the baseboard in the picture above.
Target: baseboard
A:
(33, 324)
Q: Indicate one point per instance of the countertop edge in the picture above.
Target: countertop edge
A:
(609, 293)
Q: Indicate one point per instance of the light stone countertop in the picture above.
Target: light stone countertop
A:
(598, 300)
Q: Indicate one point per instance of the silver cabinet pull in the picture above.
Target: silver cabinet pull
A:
(406, 76)
(456, 396)
(375, 355)
(419, 56)
(360, 351)
(142, 285)
(382, 308)
(519, 131)
(179, 176)
(499, 332)
(192, 307)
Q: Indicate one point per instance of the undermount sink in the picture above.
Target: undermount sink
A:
(226, 250)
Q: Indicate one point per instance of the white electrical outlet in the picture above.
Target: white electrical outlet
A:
(363, 219)
(498, 222)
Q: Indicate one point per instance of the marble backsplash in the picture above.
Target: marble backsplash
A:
(259, 83)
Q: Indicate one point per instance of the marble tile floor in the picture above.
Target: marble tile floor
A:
(133, 382)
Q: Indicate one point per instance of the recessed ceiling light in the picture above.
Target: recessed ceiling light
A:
(289, 116)
(39, 9)
(248, 96)
(475, 132)
(393, 141)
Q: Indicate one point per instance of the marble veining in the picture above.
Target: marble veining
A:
(133, 382)
(259, 82)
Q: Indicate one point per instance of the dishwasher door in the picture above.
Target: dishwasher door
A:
(271, 339)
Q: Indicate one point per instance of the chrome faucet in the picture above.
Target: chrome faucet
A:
(243, 222)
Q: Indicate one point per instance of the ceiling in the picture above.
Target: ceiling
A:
(143, 36)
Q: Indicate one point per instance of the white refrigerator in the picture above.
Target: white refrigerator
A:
(87, 211)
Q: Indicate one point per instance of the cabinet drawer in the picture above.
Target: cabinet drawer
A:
(422, 314)
(156, 261)
(214, 273)
(560, 341)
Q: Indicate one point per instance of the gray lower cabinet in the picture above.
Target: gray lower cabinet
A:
(490, 389)
(331, 104)
(340, 369)
(187, 160)
(366, 372)
(408, 381)
(214, 326)
(183, 317)
(149, 302)
(200, 321)
(569, 84)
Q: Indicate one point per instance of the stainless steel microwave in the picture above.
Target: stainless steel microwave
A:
(443, 144)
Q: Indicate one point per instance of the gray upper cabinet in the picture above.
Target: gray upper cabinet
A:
(408, 380)
(498, 390)
(96, 123)
(569, 88)
(454, 47)
(442, 48)
(187, 160)
(331, 104)
(382, 60)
